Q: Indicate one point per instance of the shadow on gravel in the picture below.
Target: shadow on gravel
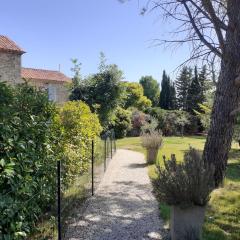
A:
(137, 165)
(127, 212)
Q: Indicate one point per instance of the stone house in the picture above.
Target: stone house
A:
(11, 71)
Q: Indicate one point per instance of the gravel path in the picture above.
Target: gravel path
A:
(123, 207)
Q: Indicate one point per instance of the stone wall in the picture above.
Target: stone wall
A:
(62, 92)
(10, 67)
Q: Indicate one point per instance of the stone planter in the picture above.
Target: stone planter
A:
(152, 155)
(186, 223)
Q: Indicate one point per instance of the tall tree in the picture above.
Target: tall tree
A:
(183, 83)
(76, 69)
(151, 89)
(194, 95)
(173, 99)
(165, 92)
(213, 26)
(101, 91)
(206, 84)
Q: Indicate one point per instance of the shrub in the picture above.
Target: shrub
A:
(79, 126)
(185, 184)
(27, 160)
(152, 139)
(171, 122)
(122, 122)
(150, 126)
(34, 134)
(138, 119)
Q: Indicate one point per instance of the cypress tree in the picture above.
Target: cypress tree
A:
(194, 97)
(173, 102)
(165, 94)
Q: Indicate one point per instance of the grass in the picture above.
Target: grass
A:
(223, 212)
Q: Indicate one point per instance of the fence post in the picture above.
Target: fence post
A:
(59, 199)
(92, 167)
(111, 146)
(105, 154)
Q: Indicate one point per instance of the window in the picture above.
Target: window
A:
(52, 93)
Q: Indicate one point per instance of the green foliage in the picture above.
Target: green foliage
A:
(27, 161)
(122, 122)
(133, 96)
(204, 114)
(76, 69)
(151, 89)
(101, 90)
(187, 183)
(183, 83)
(170, 122)
(33, 136)
(194, 96)
(78, 128)
(168, 93)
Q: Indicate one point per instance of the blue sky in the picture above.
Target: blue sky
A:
(54, 31)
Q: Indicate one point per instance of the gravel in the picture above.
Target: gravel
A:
(123, 206)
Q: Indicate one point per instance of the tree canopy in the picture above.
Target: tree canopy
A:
(151, 89)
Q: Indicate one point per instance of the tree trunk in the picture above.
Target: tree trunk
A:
(220, 134)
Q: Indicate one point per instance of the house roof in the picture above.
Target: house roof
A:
(7, 45)
(41, 74)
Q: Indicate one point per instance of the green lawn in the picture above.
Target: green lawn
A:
(223, 214)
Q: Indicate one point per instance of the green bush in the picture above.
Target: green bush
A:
(27, 161)
(78, 128)
(34, 134)
(187, 183)
(171, 122)
(122, 122)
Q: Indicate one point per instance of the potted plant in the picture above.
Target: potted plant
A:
(152, 141)
(186, 187)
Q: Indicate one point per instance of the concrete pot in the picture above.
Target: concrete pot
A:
(186, 223)
(152, 155)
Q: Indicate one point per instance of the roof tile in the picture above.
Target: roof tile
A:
(41, 74)
(7, 45)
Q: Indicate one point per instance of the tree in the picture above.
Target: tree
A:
(183, 83)
(194, 93)
(168, 93)
(173, 99)
(76, 69)
(133, 96)
(206, 85)
(151, 89)
(102, 92)
(213, 28)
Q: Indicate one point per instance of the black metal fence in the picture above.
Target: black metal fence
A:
(83, 184)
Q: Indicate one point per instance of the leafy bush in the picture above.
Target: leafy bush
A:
(122, 122)
(34, 134)
(152, 139)
(27, 161)
(171, 122)
(78, 128)
(138, 119)
(133, 96)
(185, 184)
